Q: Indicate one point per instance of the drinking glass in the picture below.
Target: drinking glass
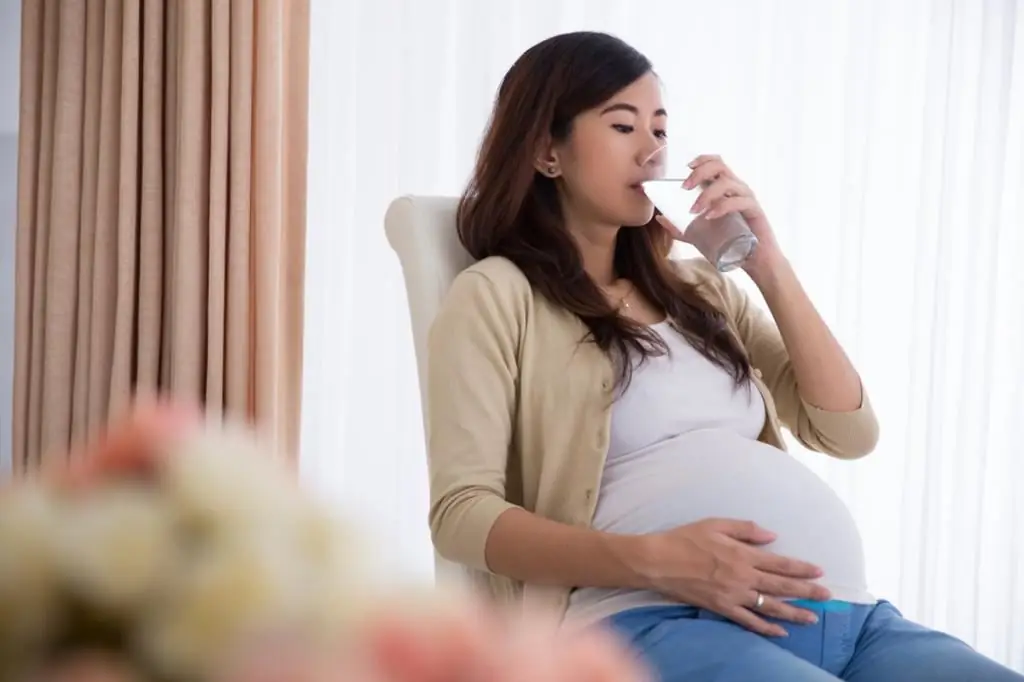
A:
(727, 241)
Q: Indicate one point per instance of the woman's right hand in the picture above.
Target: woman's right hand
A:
(716, 564)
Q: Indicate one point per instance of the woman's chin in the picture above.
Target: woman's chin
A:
(637, 218)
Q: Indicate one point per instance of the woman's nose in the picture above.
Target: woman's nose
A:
(653, 155)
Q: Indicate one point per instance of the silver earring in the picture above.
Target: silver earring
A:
(551, 170)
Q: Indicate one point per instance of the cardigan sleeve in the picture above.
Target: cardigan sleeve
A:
(845, 434)
(472, 373)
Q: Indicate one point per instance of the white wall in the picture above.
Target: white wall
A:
(10, 41)
(10, 52)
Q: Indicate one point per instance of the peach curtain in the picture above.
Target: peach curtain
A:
(161, 213)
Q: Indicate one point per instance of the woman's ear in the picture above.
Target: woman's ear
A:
(548, 168)
(546, 160)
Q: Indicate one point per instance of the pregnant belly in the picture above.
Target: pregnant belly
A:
(713, 474)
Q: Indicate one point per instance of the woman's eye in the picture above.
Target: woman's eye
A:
(661, 134)
(622, 127)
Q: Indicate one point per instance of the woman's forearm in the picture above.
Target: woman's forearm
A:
(535, 550)
(825, 376)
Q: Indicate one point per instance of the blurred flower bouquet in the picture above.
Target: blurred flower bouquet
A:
(179, 551)
(167, 547)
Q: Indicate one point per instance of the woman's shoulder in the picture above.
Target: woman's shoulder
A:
(487, 304)
(494, 278)
(500, 271)
(494, 283)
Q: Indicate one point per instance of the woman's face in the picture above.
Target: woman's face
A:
(608, 154)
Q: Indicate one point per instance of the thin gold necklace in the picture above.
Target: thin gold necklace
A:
(623, 303)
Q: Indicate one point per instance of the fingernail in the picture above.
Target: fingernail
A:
(688, 184)
(694, 208)
(811, 619)
(692, 164)
(779, 632)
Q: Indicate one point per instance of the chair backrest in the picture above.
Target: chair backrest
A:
(421, 231)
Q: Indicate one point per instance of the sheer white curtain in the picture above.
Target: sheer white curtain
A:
(886, 139)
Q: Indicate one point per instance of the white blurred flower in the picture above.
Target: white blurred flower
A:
(239, 587)
(222, 482)
(220, 547)
(117, 547)
(335, 570)
(29, 519)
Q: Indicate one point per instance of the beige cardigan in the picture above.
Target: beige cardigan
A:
(519, 410)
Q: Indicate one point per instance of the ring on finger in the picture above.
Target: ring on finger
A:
(759, 601)
(704, 184)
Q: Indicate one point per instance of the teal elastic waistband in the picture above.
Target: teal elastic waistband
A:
(822, 606)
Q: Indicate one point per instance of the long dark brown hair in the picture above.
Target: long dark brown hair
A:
(511, 210)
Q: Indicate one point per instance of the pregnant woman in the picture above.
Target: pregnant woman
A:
(605, 424)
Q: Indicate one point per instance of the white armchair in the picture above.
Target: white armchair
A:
(421, 231)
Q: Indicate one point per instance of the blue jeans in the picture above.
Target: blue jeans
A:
(857, 644)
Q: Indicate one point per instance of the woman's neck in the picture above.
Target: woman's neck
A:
(597, 250)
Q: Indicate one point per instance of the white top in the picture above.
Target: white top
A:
(684, 448)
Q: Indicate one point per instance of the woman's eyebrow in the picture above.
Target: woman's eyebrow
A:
(622, 106)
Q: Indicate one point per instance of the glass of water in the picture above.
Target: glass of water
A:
(726, 241)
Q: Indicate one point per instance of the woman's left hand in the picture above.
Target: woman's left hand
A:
(723, 192)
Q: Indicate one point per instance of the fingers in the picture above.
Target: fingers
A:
(794, 588)
(719, 189)
(782, 610)
(753, 622)
(724, 193)
(732, 205)
(703, 159)
(706, 169)
(785, 566)
(744, 531)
